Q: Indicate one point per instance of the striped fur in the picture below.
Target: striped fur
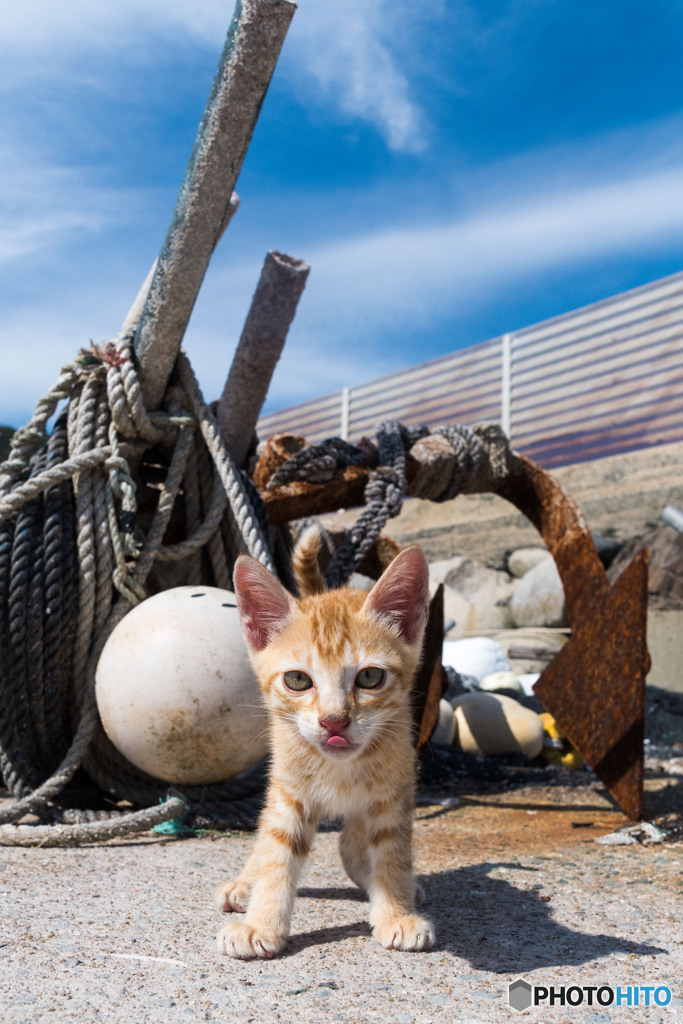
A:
(338, 749)
(305, 565)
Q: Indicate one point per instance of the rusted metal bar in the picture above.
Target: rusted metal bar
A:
(247, 63)
(430, 682)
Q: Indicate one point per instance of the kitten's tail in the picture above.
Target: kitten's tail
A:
(305, 566)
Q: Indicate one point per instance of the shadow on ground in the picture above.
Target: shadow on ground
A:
(498, 927)
(488, 922)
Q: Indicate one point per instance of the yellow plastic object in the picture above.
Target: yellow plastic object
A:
(556, 747)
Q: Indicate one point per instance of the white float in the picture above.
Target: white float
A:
(476, 656)
(489, 723)
(175, 689)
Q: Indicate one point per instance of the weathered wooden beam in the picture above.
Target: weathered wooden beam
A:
(247, 63)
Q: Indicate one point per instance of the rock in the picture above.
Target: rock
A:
(665, 644)
(488, 723)
(501, 681)
(475, 597)
(539, 597)
(476, 656)
(665, 573)
(176, 691)
(439, 570)
(531, 649)
(521, 561)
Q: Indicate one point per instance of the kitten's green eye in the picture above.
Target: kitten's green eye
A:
(370, 678)
(298, 681)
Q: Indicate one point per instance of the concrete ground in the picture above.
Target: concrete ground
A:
(514, 880)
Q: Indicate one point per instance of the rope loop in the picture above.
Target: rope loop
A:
(450, 460)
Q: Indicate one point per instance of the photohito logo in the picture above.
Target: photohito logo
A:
(522, 995)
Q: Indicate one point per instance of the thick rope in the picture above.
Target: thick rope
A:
(240, 502)
(104, 407)
(451, 460)
(95, 831)
(383, 497)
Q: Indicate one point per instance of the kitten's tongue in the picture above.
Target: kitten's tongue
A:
(337, 741)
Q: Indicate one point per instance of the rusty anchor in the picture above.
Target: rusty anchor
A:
(595, 685)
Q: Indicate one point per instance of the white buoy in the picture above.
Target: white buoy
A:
(175, 689)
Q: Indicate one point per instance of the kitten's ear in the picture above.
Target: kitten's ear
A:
(401, 595)
(264, 605)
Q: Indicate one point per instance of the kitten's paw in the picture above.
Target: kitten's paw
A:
(408, 933)
(246, 943)
(233, 895)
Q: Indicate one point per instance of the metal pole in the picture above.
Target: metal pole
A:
(247, 63)
(263, 336)
(506, 385)
(345, 410)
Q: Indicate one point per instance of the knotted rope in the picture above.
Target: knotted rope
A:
(76, 555)
(450, 460)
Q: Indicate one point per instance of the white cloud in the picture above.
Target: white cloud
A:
(363, 290)
(45, 209)
(366, 290)
(347, 50)
(65, 28)
(341, 52)
(386, 275)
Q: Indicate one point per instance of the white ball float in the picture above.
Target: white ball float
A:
(489, 723)
(175, 689)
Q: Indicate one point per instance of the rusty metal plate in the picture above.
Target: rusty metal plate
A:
(595, 686)
(430, 682)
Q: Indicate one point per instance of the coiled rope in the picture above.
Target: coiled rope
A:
(75, 558)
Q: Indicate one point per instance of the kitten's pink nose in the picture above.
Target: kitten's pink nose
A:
(334, 726)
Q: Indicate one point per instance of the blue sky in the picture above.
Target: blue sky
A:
(451, 170)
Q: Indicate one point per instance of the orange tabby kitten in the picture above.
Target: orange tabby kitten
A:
(335, 669)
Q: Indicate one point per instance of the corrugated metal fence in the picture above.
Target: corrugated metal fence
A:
(600, 380)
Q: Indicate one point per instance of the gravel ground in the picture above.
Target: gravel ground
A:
(515, 883)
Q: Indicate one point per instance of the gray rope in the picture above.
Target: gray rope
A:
(475, 458)
(104, 406)
(95, 831)
(383, 498)
(318, 463)
(240, 503)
